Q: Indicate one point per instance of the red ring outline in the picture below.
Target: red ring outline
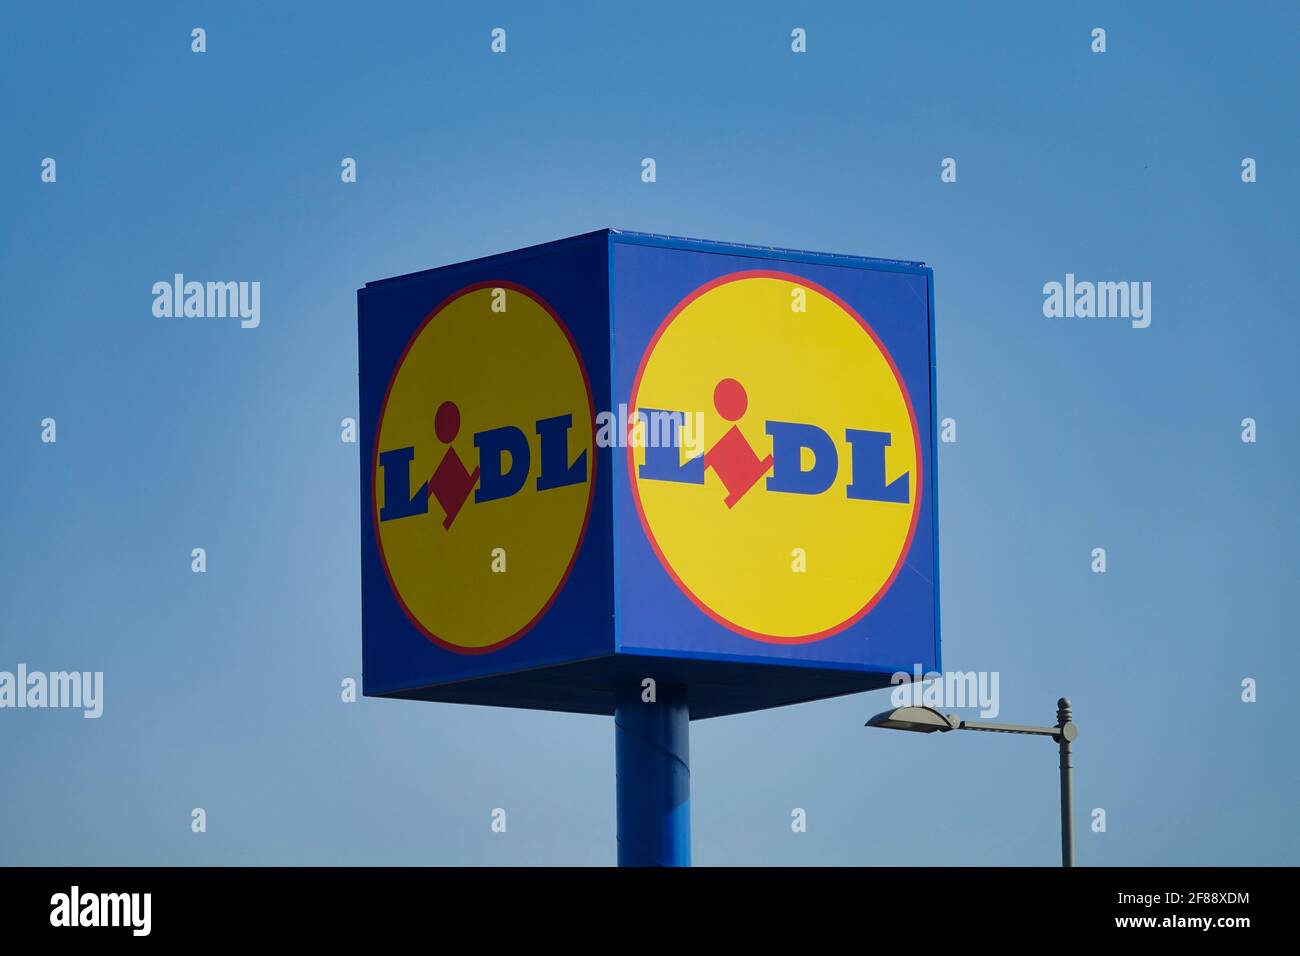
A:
(591, 479)
(916, 438)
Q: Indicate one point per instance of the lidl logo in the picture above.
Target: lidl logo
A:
(483, 465)
(798, 514)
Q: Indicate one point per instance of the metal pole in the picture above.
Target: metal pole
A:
(1068, 732)
(653, 767)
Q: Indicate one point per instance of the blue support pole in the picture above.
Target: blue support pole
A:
(653, 765)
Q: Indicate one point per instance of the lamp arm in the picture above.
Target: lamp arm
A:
(1009, 728)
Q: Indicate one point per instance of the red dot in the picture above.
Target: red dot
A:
(730, 400)
(446, 422)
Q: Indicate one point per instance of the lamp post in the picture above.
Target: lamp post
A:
(927, 720)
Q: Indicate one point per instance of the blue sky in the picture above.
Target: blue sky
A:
(222, 689)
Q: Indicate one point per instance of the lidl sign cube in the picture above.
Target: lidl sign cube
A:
(622, 456)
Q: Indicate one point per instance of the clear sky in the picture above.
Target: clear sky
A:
(222, 689)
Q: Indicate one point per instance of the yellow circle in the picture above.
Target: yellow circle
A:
(778, 566)
(485, 578)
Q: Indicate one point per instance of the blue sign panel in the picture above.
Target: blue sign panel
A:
(623, 456)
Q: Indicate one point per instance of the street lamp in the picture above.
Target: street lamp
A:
(927, 720)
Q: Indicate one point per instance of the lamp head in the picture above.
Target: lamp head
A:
(923, 720)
